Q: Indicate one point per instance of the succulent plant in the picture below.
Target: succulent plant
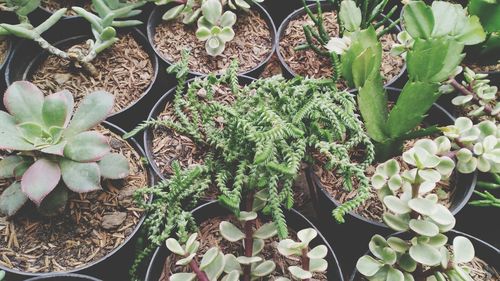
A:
(241, 4)
(311, 260)
(188, 10)
(214, 27)
(53, 147)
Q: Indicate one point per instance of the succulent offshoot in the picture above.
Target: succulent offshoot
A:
(53, 147)
(215, 27)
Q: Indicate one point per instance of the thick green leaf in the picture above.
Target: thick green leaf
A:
(80, 177)
(407, 263)
(397, 222)
(231, 264)
(88, 146)
(445, 16)
(394, 275)
(212, 11)
(350, 15)
(173, 13)
(372, 103)
(463, 250)
(31, 132)
(114, 166)
(174, 247)
(57, 109)
(94, 108)
(368, 266)
(396, 205)
(266, 231)
(425, 254)
(473, 33)
(418, 19)
(230, 232)
(414, 102)
(318, 252)
(24, 101)
(263, 269)
(307, 235)
(209, 257)
(8, 164)
(12, 199)
(183, 277)
(398, 244)
(40, 179)
(258, 246)
(10, 137)
(299, 273)
(425, 228)
(451, 61)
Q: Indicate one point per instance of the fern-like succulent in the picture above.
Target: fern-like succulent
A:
(53, 147)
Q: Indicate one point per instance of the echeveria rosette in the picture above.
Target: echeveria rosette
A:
(214, 27)
(295, 250)
(51, 143)
(478, 145)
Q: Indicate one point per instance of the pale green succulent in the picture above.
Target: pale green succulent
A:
(396, 259)
(53, 149)
(214, 27)
(188, 10)
(241, 4)
(314, 257)
(478, 145)
(482, 97)
(405, 42)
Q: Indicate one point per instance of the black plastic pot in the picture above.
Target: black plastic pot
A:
(209, 210)
(484, 251)
(121, 257)
(156, 18)
(10, 18)
(157, 110)
(65, 277)
(397, 81)
(27, 56)
(279, 10)
(365, 228)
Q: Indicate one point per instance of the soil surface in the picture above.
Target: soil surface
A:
(125, 70)
(209, 236)
(93, 224)
(251, 45)
(372, 208)
(4, 47)
(54, 5)
(308, 63)
(479, 68)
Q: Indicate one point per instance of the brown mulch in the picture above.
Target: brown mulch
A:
(479, 68)
(4, 47)
(209, 236)
(125, 70)
(31, 243)
(372, 208)
(308, 63)
(251, 45)
(54, 5)
(272, 68)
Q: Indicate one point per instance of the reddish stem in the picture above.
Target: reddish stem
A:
(248, 241)
(305, 262)
(464, 91)
(202, 276)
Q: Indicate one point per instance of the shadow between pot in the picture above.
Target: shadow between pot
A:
(341, 234)
(120, 257)
(212, 209)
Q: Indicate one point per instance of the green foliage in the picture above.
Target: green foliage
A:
(214, 27)
(488, 13)
(433, 44)
(51, 143)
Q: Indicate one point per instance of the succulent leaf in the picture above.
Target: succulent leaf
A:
(93, 109)
(40, 179)
(80, 177)
(463, 250)
(24, 102)
(266, 231)
(87, 146)
(12, 199)
(230, 232)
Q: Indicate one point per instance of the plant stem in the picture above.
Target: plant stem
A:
(305, 262)
(464, 91)
(248, 227)
(202, 276)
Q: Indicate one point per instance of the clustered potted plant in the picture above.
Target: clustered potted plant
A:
(380, 130)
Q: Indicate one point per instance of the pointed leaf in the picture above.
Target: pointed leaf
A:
(10, 137)
(24, 101)
(93, 109)
(80, 177)
(174, 247)
(12, 199)
(40, 179)
(88, 146)
(57, 109)
(114, 166)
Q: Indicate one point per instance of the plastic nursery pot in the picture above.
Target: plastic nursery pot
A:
(157, 110)
(289, 73)
(295, 221)
(4, 57)
(363, 228)
(64, 277)
(155, 19)
(390, 4)
(483, 250)
(121, 257)
(27, 57)
(279, 9)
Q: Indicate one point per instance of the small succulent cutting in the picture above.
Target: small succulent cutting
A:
(214, 27)
(53, 149)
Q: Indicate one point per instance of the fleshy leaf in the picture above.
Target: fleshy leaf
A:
(209, 257)
(230, 232)
(299, 273)
(114, 166)
(10, 137)
(93, 109)
(368, 266)
(425, 228)
(55, 202)
(425, 254)
(175, 247)
(307, 235)
(8, 164)
(463, 250)
(24, 101)
(40, 179)
(183, 277)
(12, 199)
(88, 146)
(80, 177)
(266, 231)
(57, 109)
(318, 252)
(263, 269)
(318, 265)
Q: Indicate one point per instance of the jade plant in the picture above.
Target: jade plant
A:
(436, 38)
(110, 15)
(214, 27)
(53, 149)
(258, 142)
(412, 205)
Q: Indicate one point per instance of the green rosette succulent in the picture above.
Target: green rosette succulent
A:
(214, 27)
(53, 148)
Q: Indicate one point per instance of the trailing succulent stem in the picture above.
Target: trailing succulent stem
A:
(53, 149)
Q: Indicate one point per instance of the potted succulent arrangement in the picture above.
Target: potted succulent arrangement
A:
(308, 37)
(66, 183)
(261, 140)
(215, 32)
(410, 206)
(121, 63)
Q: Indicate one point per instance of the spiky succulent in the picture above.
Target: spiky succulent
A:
(311, 260)
(214, 27)
(53, 149)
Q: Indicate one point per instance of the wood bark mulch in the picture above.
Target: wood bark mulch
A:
(251, 45)
(92, 225)
(125, 70)
(54, 5)
(4, 47)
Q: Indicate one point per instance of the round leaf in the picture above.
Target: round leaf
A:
(24, 101)
(394, 275)
(318, 265)
(299, 273)
(396, 222)
(463, 250)
(183, 277)
(114, 166)
(174, 247)
(368, 266)
(266, 231)
(422, 206)
(425, 254)
(318, 252)
(230, 232)
(396, 205)
(307, 235)
(425, 228)
(209, 257)
(80, 177)
(263, 269)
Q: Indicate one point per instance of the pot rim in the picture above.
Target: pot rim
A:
(454, 211)
(48, 277)
(136, 33)
(300, 12)
(151, 180)
(292, 211)
(267, 17)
